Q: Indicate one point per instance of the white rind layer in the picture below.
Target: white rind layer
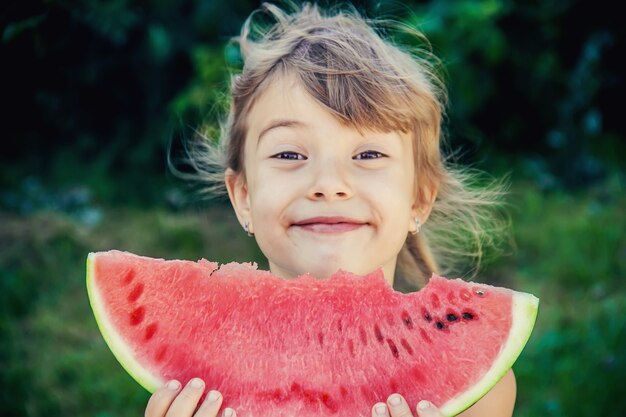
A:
(120, 349)
(524, 313)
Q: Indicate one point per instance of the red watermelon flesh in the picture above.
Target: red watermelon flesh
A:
(305, 347)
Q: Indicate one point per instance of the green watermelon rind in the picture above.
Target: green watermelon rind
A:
(120, 349)
(524, 314)
(524, 308)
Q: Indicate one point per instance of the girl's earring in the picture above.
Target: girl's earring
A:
(248, 230)
(418, 225)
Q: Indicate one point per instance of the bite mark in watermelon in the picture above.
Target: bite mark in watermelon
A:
(306, 347)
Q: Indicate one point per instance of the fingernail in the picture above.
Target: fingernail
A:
(423, 405)
(213, 396)
(173, 385)
(196, 383)
(228, 412)
(381, 409)
(395, 400)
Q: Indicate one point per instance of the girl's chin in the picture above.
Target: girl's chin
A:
(328, 269)
(321, 270)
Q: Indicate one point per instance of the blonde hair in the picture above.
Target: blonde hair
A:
(344, 63)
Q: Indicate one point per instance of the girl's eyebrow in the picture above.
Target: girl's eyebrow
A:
(281, 123)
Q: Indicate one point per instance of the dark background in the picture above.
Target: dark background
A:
(93, 93)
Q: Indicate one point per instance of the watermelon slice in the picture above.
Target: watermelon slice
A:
(305, 347)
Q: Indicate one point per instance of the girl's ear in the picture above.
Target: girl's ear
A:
(424, 202)
(238, 195)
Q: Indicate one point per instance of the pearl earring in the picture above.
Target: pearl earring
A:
(418, 225)
(248, 230)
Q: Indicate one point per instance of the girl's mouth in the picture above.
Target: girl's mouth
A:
(334, 224)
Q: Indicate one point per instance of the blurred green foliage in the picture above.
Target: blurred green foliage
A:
(95, 90)
(55, 362)
(100, 88)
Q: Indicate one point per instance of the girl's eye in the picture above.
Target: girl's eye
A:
(370, 155)
(292, 156)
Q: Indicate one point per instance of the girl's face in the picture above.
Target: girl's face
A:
(318, 195)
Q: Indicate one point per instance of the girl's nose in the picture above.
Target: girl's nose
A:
(330, 182)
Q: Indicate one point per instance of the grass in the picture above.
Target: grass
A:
(53, 358)
(571, 253)
(570, 250)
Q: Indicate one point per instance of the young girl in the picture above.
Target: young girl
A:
(331, 159)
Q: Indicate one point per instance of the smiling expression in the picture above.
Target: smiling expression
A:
(318, 194)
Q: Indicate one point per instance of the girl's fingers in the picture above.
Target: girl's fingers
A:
(162, 398)
(229, 412)
(380, 410)
(211, 405)
(186, 402)
(398, 406)
(427, 409)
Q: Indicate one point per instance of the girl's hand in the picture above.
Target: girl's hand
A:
(397, 407)
(171, 401)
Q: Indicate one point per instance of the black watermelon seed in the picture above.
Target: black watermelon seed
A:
(440, 325)
(407, 320)
(451, 317)
(468, 316)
